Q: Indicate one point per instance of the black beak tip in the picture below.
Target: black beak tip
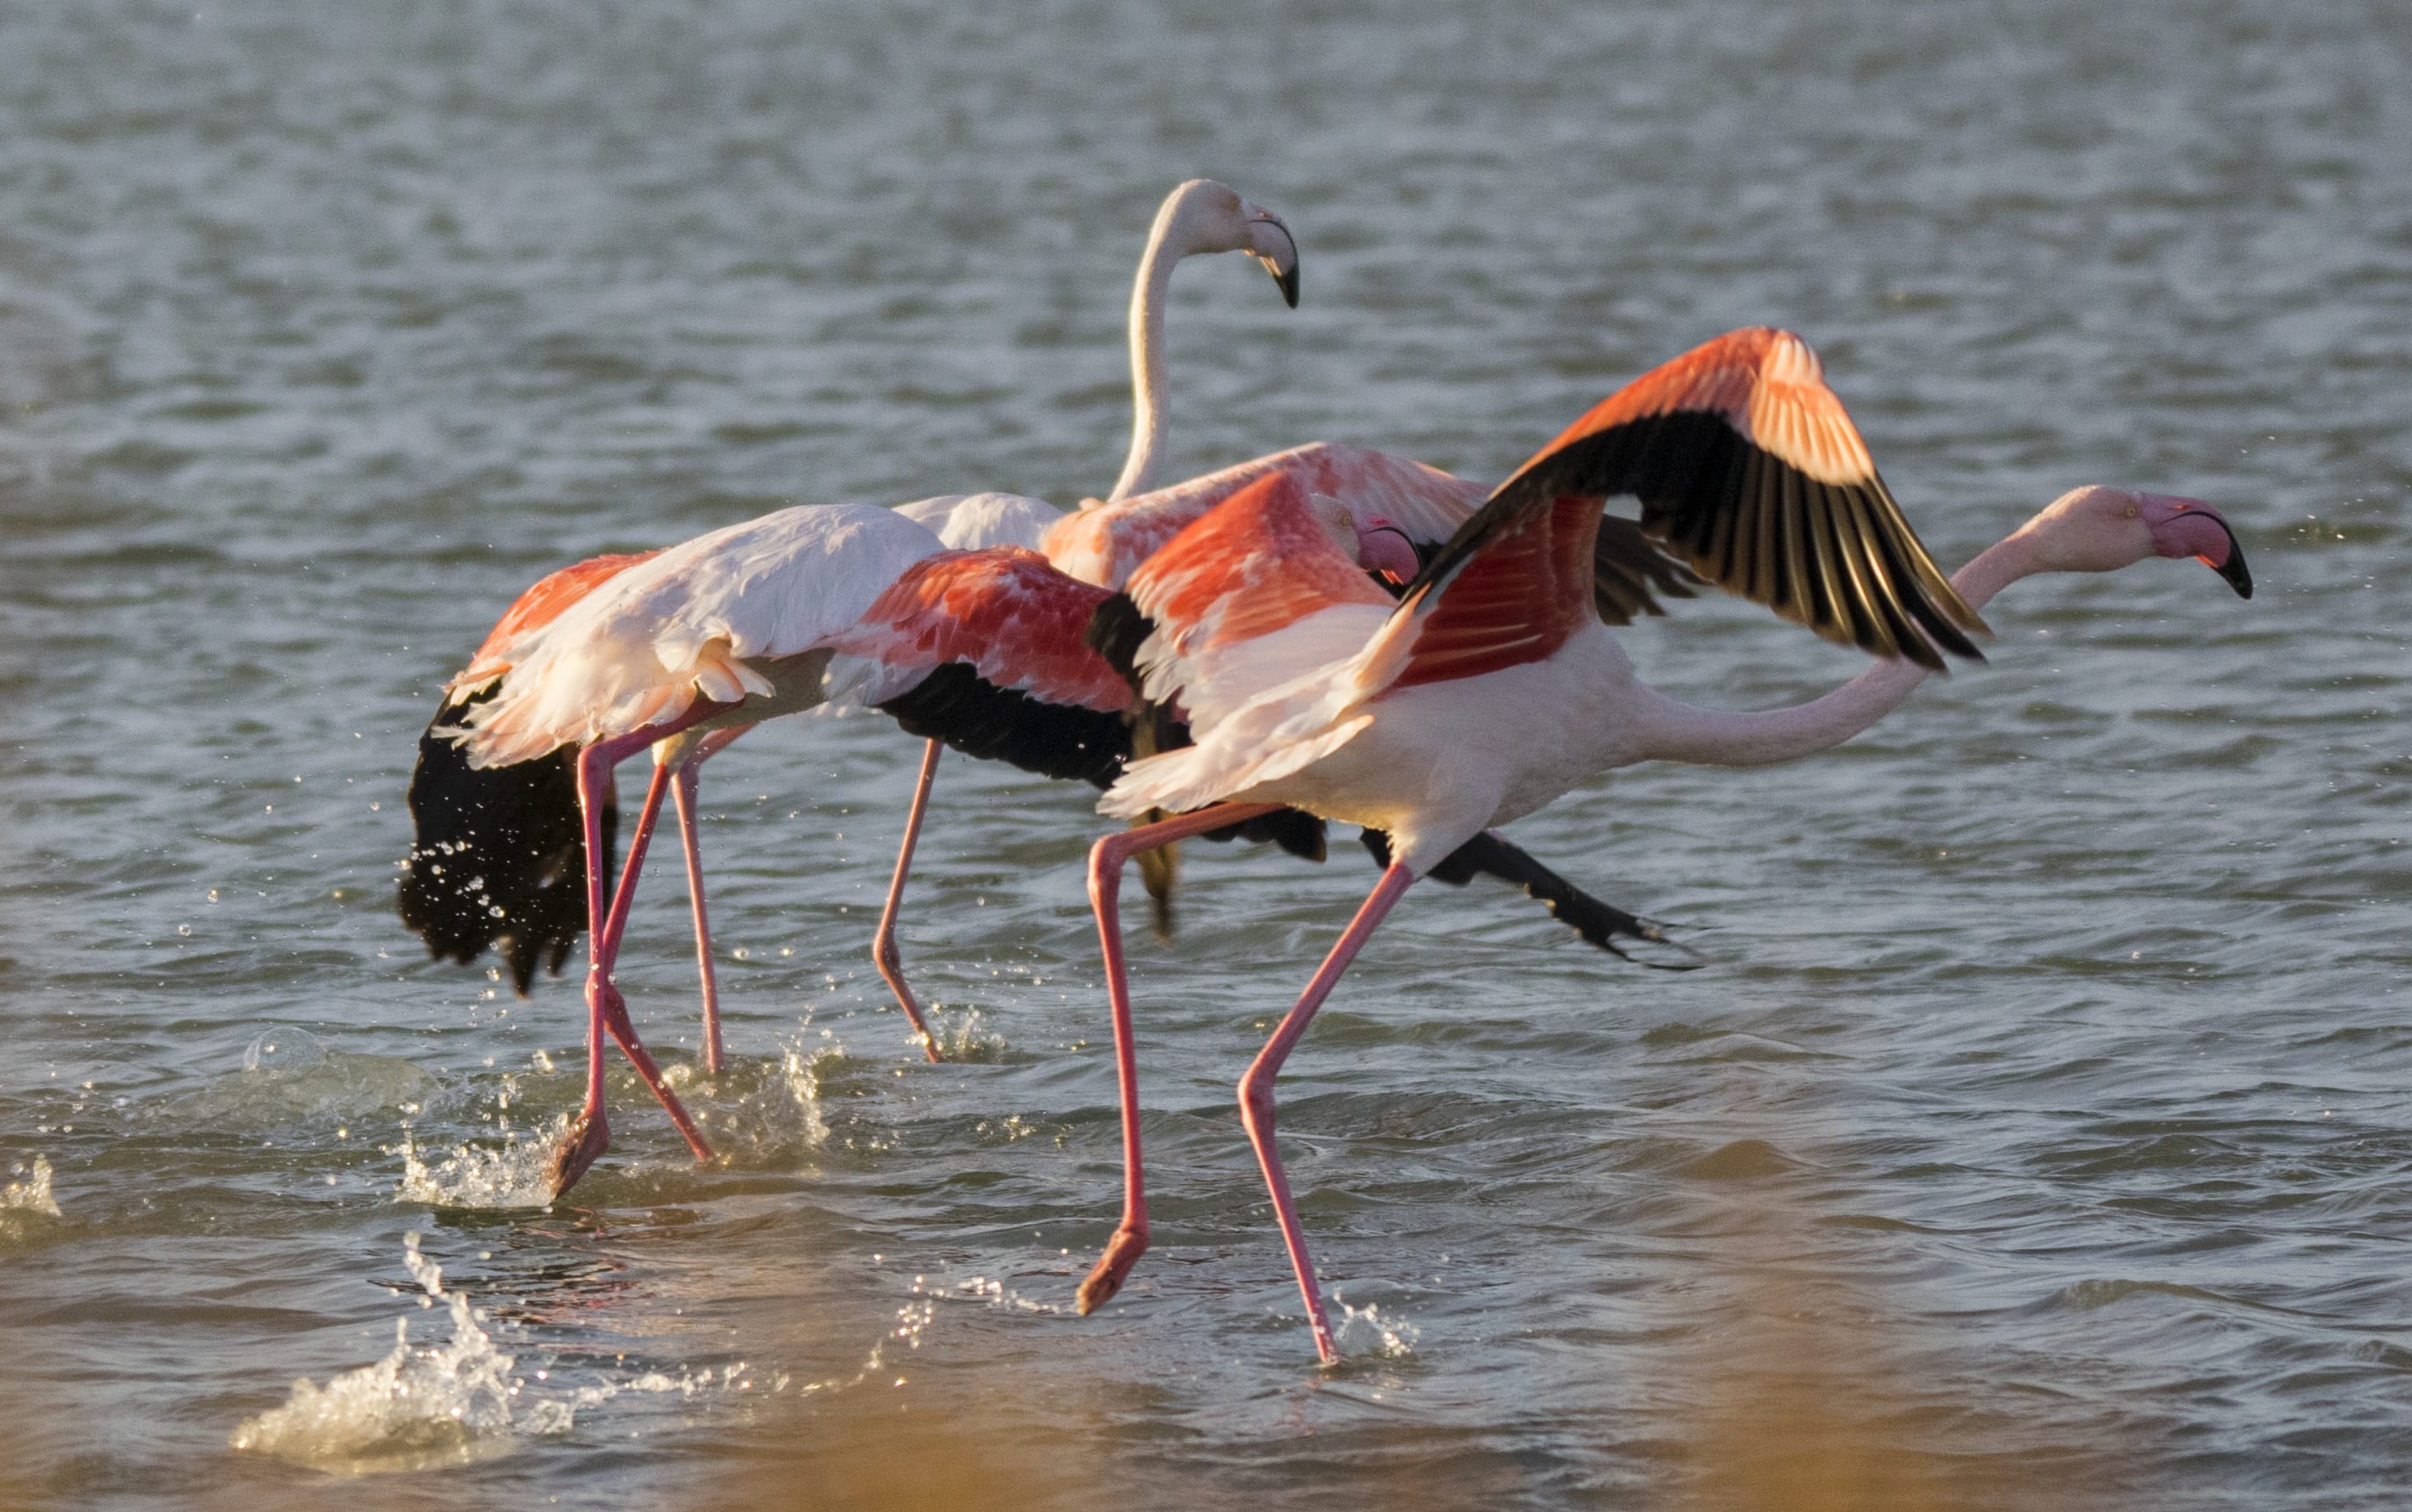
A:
(1288, 282)
(2234, 572)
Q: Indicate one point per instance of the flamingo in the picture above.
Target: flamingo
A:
(498, 857)
(1492, 685)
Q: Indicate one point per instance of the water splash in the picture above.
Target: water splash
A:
(800, 1080)
(414, 1409)
(28, 1212)
(479, 1176)
(765, 1110)
(964, 1035)
(31, 1193)
(1395, 1337)
(993, 1291)
(458, 1401)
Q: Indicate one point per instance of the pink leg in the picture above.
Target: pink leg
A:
(684, 795)
(1105, 861)
(883, 945)
(1256, 1089)
(616, 1012)
(590, 1133)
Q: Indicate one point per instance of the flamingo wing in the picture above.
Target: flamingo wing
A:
(498, 857)
(1256, 591)
(538, 606)
(1748, 470)
(984, 650)
(1245, 625)
(1004, 613)
(693, 622)
(1106, 543)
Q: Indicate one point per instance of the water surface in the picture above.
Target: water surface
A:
(2038, 1135)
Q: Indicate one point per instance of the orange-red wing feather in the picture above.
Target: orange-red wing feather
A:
(1003, 611)
(541, 605)
(1517, 601)
(1105, 543)
(1255, 563)
(1748, 470)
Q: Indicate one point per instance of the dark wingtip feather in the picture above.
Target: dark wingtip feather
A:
(1600, 924)
(499, 856)
(1116, 631)
(955, 704)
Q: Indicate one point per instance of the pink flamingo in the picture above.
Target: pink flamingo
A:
(498, 857)
(1493, 685)
(685, 649)
(987, 652)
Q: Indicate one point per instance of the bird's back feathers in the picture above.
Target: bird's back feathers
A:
(693, 621)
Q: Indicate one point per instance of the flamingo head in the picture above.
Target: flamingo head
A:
(2101, 529)
(1210, 216)
(1384, 551)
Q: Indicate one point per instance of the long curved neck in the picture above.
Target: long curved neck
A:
(1150, 415)
(1677, 731)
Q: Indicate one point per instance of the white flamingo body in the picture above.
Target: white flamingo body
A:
(724, 617)
(1436, 764)
(969, 522)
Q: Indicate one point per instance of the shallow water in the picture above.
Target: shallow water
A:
(2038, 1135)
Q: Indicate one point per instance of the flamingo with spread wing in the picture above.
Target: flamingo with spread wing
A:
(1493, 685)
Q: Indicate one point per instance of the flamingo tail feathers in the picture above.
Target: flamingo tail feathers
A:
(497, 854)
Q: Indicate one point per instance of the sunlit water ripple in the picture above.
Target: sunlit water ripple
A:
(2038, 1135)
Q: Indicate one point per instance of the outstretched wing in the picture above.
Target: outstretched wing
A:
(1002, 613)
(1748, 470)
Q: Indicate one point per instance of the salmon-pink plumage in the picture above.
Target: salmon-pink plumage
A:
(1003, 611)
(1766, 383)
(535, 608)
(1105, 543)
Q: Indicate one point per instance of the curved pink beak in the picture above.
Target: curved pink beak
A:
(1382, 549)
(2189, 527)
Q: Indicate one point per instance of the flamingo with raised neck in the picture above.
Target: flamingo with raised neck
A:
(497, 857)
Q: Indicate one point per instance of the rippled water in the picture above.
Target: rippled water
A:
(2037, 1135)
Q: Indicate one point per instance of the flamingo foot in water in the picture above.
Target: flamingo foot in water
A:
(587, 1138)
(1105, 1277)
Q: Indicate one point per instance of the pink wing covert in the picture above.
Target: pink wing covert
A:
(1258, 563)
(538, 606)
(1004, 612)
(1106, 543)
